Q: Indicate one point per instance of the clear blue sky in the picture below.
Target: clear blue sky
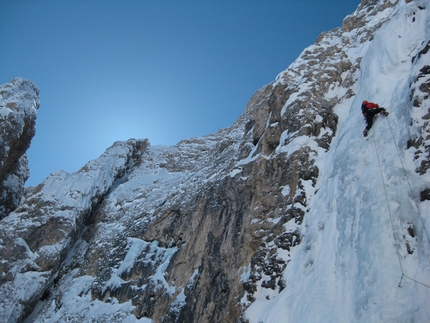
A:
(163, 70)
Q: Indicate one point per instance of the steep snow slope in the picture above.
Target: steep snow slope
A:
(364, 218)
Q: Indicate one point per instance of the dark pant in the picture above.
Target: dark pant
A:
(369, 116)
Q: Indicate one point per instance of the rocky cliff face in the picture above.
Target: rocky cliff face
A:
(18, 103)
(213, 227)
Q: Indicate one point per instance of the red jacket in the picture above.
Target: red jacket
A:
(368, 105)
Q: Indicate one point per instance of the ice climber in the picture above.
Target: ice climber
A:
(369, 110)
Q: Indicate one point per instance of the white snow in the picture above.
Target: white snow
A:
(79, 307)
(352, 256)
(285, 190)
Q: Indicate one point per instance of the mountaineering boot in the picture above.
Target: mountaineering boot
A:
(384, 113)
(365, 132)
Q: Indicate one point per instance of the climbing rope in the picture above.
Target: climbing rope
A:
(389, 209)
(395, 237)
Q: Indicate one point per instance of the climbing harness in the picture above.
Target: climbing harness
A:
(395, 236)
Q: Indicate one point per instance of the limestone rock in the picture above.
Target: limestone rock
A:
(19, 101)
(37, 237)
(420, 96)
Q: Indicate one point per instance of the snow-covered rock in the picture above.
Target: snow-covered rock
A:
(19, 100)
(290, 215)
(36, 238)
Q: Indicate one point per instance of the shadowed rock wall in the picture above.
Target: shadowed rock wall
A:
(18, 103)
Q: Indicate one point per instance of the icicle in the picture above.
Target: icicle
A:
(401, 278)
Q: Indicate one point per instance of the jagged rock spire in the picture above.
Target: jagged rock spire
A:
(19, 101)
